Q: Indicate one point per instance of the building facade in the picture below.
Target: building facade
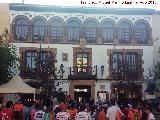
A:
(98, 51)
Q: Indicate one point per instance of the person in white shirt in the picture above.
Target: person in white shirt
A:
(150, 113)
(112, 111)
(39, 115)
(63, 115)
(82, 115)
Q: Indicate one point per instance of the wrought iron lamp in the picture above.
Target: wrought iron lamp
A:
(102, 69)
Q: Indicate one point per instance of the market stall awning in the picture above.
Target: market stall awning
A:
(16, 85)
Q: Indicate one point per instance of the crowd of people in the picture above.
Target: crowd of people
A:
(71, 110)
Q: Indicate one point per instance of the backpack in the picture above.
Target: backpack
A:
(136, 115)
(47, 116)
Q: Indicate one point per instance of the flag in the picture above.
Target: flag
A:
(115, 58)
(124, 56)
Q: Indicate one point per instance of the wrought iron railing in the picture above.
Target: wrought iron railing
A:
(126, 74)
(83, 73)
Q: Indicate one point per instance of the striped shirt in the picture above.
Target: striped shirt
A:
(62, 116)
(82, 116)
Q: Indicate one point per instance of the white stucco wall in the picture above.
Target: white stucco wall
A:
(64, 84)
(107, 85)
(99, 55)
(156, 37)
(144, 85)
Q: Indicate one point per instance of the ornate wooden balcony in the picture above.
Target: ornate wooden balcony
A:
(83, 73)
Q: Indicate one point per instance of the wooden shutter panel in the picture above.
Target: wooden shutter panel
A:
(23, 64)
(111, 63)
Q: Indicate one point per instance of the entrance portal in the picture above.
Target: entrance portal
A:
(82, 93)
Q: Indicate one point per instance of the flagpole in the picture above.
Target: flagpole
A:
(114, 59)
(48, 49)
(124, 62)
(40, 50)
(48, 56)
(40, 55)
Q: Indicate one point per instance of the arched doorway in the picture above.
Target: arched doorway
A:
(126, 91)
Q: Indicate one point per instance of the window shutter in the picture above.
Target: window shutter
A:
(22, 68)
(111, 64)
(139, 66)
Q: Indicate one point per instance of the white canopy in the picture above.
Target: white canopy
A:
(16, 85)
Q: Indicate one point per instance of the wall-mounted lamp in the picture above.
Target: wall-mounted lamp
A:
(102, 69)
(62, 70)
(6, 32)
(61, 67)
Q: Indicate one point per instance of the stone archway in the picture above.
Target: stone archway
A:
(74, 83)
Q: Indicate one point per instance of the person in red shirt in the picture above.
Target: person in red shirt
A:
(102, 114)
(130, 113)
(7, 112)
(72, 111)
(18, 107)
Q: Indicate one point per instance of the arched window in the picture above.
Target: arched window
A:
(90, 31)
(107, 31)
(73, 31)
(56, 31)
(124, 32)
(21, 29)
(141, 32)
(39, 28)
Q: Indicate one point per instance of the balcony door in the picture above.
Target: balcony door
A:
(82, 62)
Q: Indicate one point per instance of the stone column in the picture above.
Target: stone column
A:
(133, 42)
(47, 40)
(11, 38)
(116, 41)
(65, 34)
(93, 92)
(29, 38)
(99, 40)
(71, 90)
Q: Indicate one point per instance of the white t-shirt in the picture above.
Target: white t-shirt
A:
(151, 116)
(111, 112)
(63, 116)
(39, 115)
(82, 116)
